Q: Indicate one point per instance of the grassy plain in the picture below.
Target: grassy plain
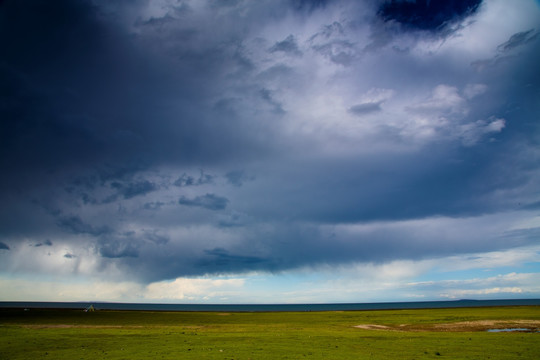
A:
(399, 334)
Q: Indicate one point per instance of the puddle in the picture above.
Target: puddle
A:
(508, 330)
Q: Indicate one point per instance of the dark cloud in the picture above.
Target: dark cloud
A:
(79, 109)
(281, 247)
(309, 4)
(518, 39)
(332, 42)
(208, 201)
(531, 206)
(287, 46)
(235, 177)
(238, 177)
(412, 191)
(365, 108)
(48, 123)
(234, 219)
(427, 14)
(131, 190)
(505, 50)
(220, 258)
(155, 205)
(188, 180)
(108, 101)
(338, 51)
(185, 180)
(521, 235)
(225, 3)
(276, 107)
(118, 248)
(75, 225)
(45, 243)
(155, 237)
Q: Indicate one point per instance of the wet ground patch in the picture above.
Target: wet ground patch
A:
(463, 326)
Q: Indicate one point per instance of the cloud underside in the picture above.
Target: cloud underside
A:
(426, 14)
(149, 141)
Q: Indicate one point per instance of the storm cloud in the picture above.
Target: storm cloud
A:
(426, 14)
(207, 201)
(156, 140)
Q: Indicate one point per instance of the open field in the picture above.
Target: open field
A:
(458, 333)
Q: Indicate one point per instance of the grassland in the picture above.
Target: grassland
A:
(399, 334)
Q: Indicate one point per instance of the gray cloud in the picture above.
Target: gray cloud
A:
(518, 39)
(426, 14)
(333, 43)
(208, 201)
(75, 225)
(309, 4)
(131, 190)
(220, 258)
(365, 108)
(188, 180)
(276, 107)
(3, 246)
(45, 243)
(287, 46)
(155, 237)
(282, 247)
(90, 119)
(153, 205)
(118, 248)
(238, 177)
(504, 50)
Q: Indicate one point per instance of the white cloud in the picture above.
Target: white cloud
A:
(68, 289)
(471, 133)
(71, 289)
(474, 90)
(495, 287)
(459, 294)
(490, 260)
(194, 289)
(358, 282)
(444, 99)
(393, 281)
(492, 26)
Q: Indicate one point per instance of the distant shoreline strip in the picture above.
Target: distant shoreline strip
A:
(269, 307)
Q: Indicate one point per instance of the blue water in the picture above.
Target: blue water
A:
(508, 330)
(270, 307)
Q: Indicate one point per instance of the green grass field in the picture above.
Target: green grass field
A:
(401, 334)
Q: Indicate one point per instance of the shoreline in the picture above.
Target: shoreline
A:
(111, 306)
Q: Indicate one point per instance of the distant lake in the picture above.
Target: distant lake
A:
(269, 307)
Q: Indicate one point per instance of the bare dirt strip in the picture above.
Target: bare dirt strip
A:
(70, 326)
(481, 325)
(77, 326)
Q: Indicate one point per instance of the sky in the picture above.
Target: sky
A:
(272, 151)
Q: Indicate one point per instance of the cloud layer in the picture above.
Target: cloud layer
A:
(148, 141)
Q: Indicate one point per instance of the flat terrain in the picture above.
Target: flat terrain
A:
(458, 333)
